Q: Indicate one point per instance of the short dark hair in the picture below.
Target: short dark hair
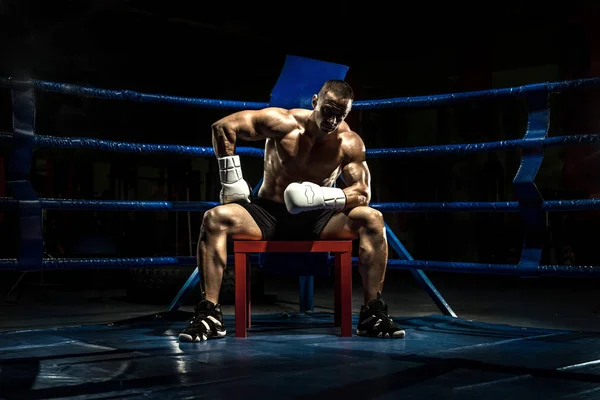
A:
(339, 87)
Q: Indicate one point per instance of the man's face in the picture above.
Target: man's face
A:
(330, 111)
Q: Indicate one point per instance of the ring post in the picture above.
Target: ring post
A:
(529, 197)
(31, 244)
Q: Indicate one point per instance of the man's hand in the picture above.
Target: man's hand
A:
(308, 196)
(233, 186)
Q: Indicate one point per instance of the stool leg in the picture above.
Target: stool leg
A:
(248, 292)
(343, 279)
(241, 302)
(337, 291)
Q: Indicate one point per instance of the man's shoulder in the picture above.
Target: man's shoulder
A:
(279, 116)
(348, 136)
(300, 113)
(274, 110)
(351, 143)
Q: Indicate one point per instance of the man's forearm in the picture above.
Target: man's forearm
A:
(356, 197)
(223, 140)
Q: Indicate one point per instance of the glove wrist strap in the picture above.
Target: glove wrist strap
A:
(334, 198)
(230, 169)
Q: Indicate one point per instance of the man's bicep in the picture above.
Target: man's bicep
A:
(266, 123)
(252, 125)
(355, 169)
(242, 124)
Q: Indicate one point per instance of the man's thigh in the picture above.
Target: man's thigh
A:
(340, 226)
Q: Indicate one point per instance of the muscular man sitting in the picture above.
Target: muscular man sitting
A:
(305, 152)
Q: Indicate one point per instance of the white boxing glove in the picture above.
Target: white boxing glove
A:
(307, 196)
(233, 186)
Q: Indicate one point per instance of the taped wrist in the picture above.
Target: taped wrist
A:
(230, 169)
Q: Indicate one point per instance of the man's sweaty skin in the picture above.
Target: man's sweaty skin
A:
(304, 145)
(310, 146)
(298, 150)
(301, 145)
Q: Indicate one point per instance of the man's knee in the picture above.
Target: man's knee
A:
(369, 218)
(219, 218)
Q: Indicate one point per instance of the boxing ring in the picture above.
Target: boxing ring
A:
(299, 79)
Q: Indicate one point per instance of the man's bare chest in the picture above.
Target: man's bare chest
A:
(300, 153)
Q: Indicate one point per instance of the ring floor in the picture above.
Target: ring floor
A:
(513, 339)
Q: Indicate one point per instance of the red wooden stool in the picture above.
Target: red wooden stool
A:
(342, 250)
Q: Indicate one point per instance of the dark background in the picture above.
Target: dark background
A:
(231, 52)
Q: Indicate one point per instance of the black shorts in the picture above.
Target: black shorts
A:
(276, 223)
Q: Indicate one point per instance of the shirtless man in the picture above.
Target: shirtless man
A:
(305, 152)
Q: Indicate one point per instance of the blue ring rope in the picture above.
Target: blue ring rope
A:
(7, 203)
(125, 147)
(540, 89)
(130, 95)
(416, 101)
(480, 95)
(441, 266)
(451, 149)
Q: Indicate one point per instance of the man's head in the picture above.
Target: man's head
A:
(332, 104)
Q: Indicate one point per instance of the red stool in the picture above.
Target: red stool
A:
(342, 250)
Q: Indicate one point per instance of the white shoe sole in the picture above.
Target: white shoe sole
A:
(396, 335)
(184, 337)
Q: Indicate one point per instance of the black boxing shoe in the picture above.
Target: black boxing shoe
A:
(374, 321)
(207, 323)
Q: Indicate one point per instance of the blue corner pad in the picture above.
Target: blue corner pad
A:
(301, 78)
(31, 241)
